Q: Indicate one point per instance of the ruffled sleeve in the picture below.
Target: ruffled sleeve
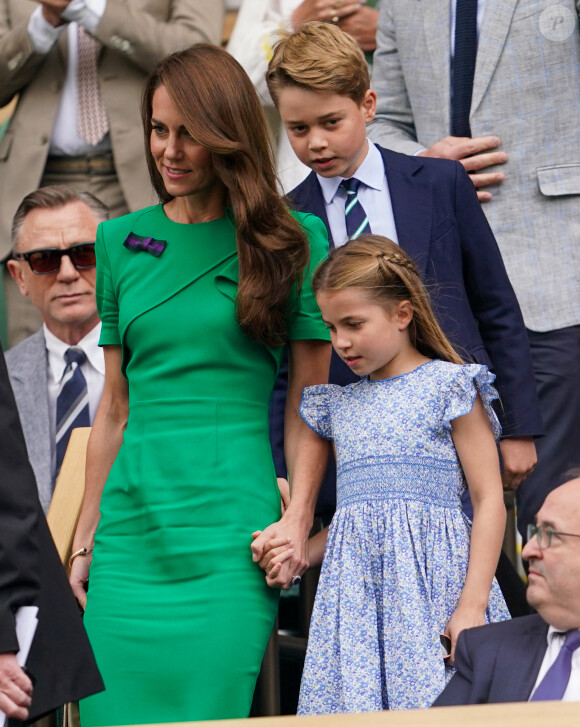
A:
(315, 409)
(469, 381)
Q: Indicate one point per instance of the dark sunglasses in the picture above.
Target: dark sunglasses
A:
(47, 260)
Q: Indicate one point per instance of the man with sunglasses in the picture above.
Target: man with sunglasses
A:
(532, 658)
(57, 373)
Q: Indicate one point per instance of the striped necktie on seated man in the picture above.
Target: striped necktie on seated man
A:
(72, 403)
(357, 222)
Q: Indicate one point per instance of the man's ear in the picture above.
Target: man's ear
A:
(15, 269)
(369, 105)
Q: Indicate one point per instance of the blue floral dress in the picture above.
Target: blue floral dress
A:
(398, 546)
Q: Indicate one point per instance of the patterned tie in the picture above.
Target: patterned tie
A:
(72, 404)
(92, 122)
(357, 222)
(556, 679)
(463, 66)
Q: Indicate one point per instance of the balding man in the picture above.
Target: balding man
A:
(534, 657)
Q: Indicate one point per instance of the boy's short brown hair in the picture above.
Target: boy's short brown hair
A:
(319, 57)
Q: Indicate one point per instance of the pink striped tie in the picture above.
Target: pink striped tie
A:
(92, 122)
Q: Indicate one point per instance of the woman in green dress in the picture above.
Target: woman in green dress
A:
(198, 296)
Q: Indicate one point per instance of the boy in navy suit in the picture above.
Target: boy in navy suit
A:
(319, 81)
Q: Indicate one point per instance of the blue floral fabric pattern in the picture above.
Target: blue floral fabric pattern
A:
(398, 546)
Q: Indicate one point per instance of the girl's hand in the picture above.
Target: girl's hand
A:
(464, 617)
(278, 550)
(284, 487)
(290, 529)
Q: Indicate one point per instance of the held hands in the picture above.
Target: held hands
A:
(289, 539)
(518, 459)
(15, 688)
(474, 154)
(464, 617)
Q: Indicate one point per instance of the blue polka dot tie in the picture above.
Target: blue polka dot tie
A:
(72, 404)
(556, 679)
(357, 222)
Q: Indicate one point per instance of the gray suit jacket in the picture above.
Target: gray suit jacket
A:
(28, 366)
(526, 91)
(135, 35)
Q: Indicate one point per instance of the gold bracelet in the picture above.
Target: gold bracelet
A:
(80, 551)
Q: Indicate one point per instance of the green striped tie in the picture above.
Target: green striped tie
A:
(357, 222)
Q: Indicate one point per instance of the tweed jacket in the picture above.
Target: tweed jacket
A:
(526, 91)
(28, 370)
(135, 35)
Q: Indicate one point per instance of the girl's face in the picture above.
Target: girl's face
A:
(370, 339)
(185, 166)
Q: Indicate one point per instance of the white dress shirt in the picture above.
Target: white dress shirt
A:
(93, 370)
(373, 194)
(555, 640)
(65, 140)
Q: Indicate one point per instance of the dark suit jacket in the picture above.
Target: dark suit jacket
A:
(440, 224)
(497, 663)
(60, 660)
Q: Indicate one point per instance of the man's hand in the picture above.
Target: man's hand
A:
(474, 154)
(324, 10)
(15, 688)
(362, 25)
(519, 459)
(52, 9)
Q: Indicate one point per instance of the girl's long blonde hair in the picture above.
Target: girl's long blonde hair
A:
(387, 275)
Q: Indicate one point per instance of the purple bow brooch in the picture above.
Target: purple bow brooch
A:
(136, 243)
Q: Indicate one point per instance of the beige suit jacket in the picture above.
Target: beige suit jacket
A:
(135, 35)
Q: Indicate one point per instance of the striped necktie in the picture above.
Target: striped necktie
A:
(357, 222)
(463, 66)
(72, 403)
(555, 681)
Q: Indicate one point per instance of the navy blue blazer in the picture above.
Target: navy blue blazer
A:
(497, 663)
(441, 225)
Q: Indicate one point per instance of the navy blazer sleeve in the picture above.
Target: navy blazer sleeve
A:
(19, 511)
(497, 312)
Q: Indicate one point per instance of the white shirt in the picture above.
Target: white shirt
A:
(93, 370)
(555, 641)
(65, 140)
(373, 194)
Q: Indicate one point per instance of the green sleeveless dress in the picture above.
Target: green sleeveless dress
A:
(178, 614)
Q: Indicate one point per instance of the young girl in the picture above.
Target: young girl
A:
(402, 564)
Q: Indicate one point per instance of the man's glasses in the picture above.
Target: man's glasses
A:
(545, 534)
(47, 260)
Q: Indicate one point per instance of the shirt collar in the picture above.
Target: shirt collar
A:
(57, 348)
(371, 173)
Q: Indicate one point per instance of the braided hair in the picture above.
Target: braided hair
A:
(388, 276)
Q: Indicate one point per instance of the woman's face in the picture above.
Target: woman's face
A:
(184, 165)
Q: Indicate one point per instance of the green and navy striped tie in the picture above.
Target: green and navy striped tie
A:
(357, 222)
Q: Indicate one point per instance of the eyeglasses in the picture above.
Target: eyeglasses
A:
(47, 260)
(545, 534)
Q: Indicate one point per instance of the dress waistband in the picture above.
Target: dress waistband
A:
(422, 479)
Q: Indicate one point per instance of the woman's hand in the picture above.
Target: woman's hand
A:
(464, 617)
(293, 531)
(324, 10)
(79, 575)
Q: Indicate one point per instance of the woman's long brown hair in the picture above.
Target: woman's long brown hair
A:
(222, 112)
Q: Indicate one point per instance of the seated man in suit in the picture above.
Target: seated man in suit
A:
(533, 658)
(60, 662)
(57, 373)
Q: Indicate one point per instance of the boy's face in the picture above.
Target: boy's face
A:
(327, 131)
